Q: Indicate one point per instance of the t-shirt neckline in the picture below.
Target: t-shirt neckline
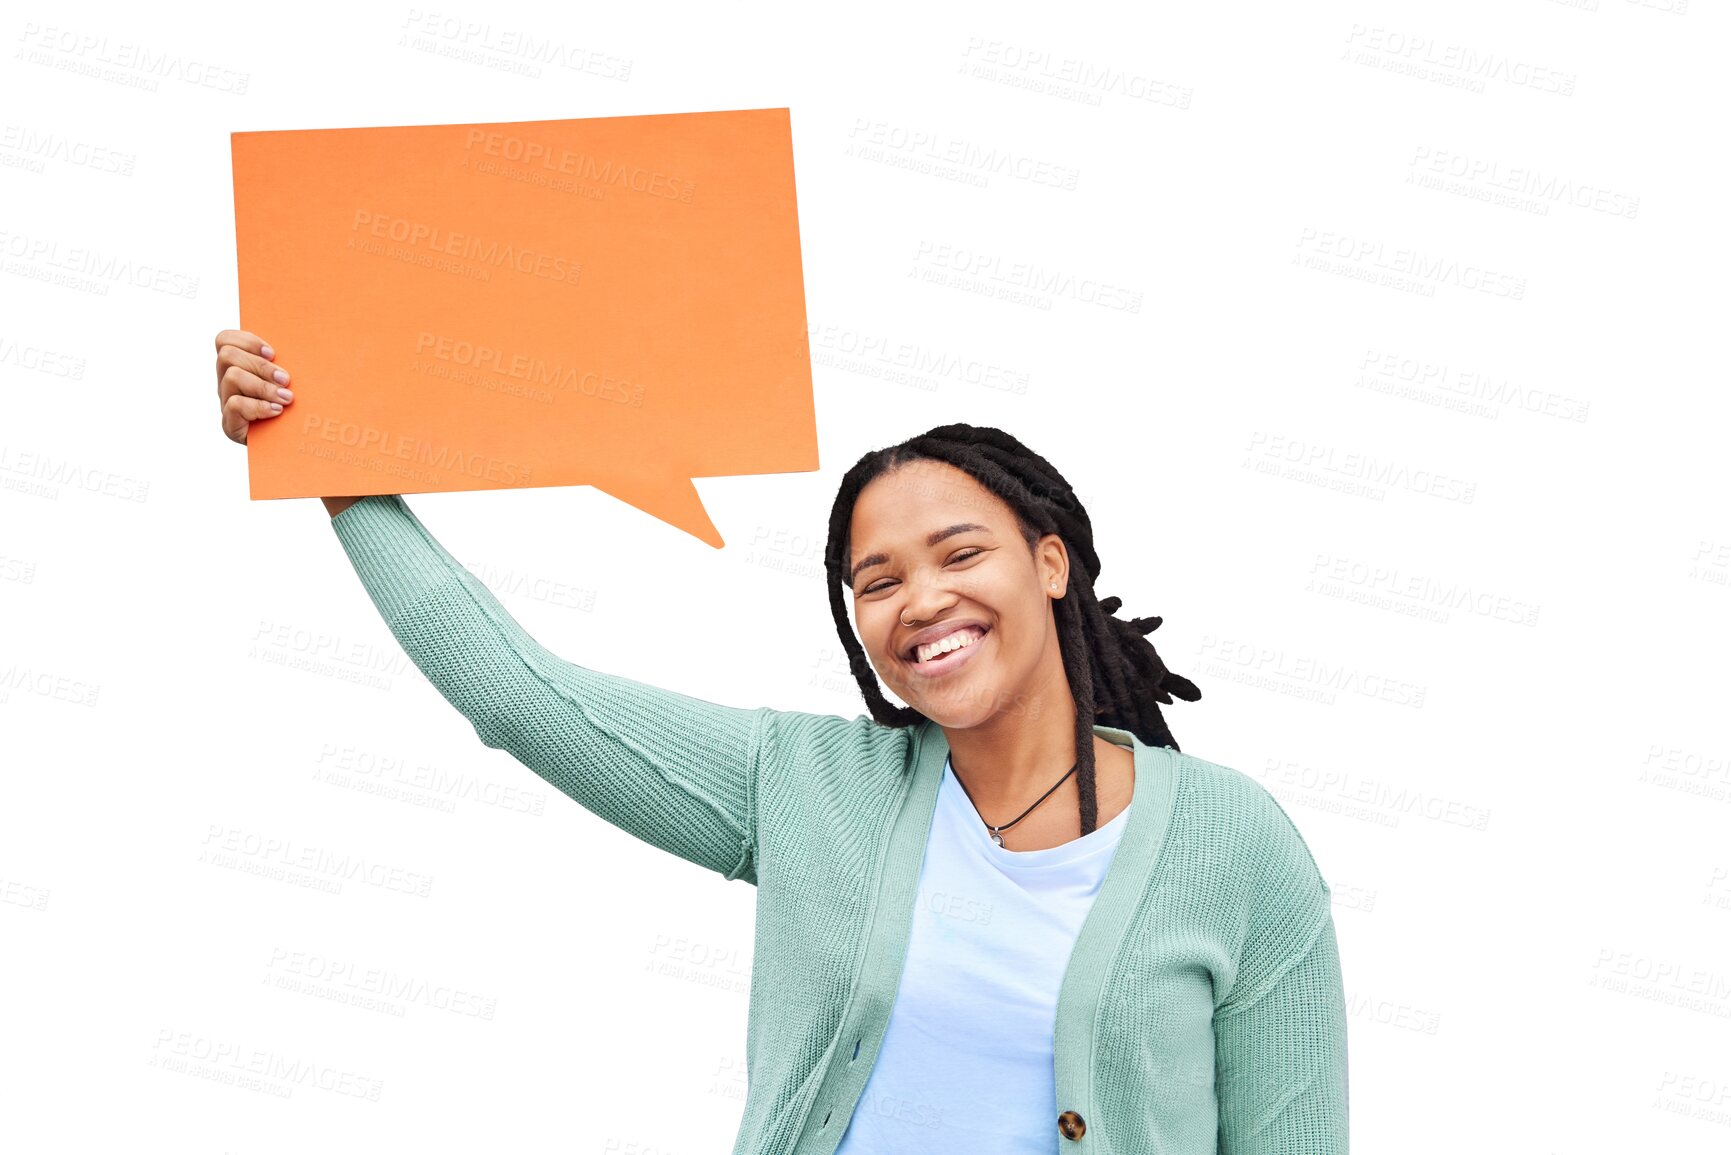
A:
(1100, 840)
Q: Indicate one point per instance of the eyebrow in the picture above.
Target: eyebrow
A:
(932, 538)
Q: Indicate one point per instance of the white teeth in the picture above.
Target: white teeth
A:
(955, 641)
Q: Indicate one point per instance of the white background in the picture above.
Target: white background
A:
(1447, 549)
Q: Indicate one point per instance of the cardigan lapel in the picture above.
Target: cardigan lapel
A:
(1108, 918)
(1102, 931)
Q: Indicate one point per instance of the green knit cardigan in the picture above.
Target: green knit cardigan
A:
(1201, 1011)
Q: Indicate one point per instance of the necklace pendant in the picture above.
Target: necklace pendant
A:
(998, 838)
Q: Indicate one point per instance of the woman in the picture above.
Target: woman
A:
(961, 946)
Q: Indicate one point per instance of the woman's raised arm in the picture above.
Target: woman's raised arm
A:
(676, 771)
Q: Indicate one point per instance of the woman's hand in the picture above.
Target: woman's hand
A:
(249, 385)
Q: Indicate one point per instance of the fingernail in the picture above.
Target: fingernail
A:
(275, 408)
(269, 353)
(281, 377)
(285, 394)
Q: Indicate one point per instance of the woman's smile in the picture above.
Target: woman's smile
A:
(942, 665)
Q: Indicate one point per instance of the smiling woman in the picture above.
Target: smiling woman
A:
(961, 537)
(958, 948)
(969, 564)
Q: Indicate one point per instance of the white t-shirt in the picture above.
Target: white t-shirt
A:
(966, 1062)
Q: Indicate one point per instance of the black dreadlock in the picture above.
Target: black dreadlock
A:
(1114, 673)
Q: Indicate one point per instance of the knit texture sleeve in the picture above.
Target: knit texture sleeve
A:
(1280, 1031)
(676, 771)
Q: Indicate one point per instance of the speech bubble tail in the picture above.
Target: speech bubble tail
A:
(671, 498)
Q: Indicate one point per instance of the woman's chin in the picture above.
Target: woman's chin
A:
(960, 709)
(955, 701)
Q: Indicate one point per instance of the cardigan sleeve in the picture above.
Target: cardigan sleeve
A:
(1280, 1022)
(673, 770)
(1280, 1056)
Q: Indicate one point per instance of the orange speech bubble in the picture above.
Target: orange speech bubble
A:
(614, 301)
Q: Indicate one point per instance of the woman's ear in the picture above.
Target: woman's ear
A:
(1054, 562)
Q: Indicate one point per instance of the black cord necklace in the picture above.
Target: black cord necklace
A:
(997, 835)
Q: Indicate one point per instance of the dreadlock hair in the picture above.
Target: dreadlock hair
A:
(1115, 676)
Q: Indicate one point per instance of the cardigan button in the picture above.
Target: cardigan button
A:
(1071, 1125)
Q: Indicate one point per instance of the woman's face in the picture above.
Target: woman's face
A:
(930, 545)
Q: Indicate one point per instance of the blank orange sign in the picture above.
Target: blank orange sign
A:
(614, 301)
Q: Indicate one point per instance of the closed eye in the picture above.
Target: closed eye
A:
(965, 555)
